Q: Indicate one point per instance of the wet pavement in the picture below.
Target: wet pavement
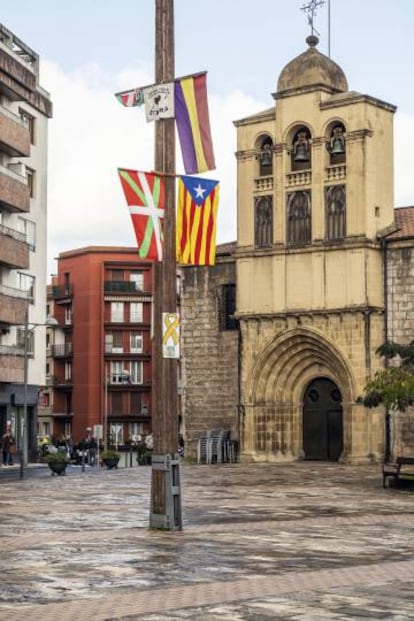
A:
(306, 541)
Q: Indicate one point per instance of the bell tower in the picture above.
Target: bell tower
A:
(309, 262)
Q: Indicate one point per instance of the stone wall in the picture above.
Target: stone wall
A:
(209, 371)
(400, 328)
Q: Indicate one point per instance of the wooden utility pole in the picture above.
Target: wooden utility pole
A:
(165, 493)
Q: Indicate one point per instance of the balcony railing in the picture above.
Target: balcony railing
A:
(14, 190)
(62, 291)
(14, 250)
(15, 133)
(121, 286)
(62, 350)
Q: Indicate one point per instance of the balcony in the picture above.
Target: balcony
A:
(11, 364)
(13, 305)
(14, 191)
(298, 178)
(14, 250)
(62, 384)
(63, 350)
(123, 287)
(62, 292)
(263, 184)
(15, 135)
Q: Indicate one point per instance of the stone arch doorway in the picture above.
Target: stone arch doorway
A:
(276, 383)
(322, 421)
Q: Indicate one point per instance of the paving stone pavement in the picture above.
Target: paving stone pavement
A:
(306, 541)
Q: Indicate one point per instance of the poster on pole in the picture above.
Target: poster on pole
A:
(170, 335)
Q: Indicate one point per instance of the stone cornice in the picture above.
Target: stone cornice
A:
(355, 98)
(357, 242)
(322, 312)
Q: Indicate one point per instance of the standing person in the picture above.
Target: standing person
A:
(8, 447)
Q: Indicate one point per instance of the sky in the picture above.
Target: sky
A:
(90, 49)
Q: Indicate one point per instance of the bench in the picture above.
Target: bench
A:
(398, 470)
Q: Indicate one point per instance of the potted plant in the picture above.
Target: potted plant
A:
(57, 462)
(110, 458)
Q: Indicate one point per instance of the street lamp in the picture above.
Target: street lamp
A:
(24, 448)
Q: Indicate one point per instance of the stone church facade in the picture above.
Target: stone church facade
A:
(316, 228)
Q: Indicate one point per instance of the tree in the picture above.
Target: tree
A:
(393, 386)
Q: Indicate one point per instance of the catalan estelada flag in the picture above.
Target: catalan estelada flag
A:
(196, 222)
(193, 123)
(145, 195)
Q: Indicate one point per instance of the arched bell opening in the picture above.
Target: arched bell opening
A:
(300, 151)
(265, 156)
(336, 143)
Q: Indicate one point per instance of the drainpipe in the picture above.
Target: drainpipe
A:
(387, 451)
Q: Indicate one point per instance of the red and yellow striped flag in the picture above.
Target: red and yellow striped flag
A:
(197, 220)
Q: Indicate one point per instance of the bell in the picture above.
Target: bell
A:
(301, 154)
(266, 158)
(337, 147)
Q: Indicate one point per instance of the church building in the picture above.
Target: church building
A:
(315, 218)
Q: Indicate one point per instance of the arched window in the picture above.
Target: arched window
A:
(336, 144)
(263, 225)
(265, 158)
(299, 217)
(301, 156)
(335, 203)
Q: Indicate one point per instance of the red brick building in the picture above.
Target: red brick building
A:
(99, 359)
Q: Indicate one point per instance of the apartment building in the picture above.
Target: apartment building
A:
(25, 109)
(99, 366)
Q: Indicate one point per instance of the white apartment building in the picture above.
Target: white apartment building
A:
(25, 108)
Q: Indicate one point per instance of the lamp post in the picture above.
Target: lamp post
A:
(24, 444)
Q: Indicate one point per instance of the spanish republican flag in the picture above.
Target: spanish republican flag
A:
(193, 123)
(196, 220)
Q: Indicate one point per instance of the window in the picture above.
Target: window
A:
(138, 279)
(31, 176)
(116, 434)
(26, 283)
(335, 204)
(68, 315)
(113, 343)
(116, 275)
(68, 371)
(136, 403)
(29, 120)
(136, 372)
(228, 308)
(136, 312)
(134, 430)
(44, 399)
(299, 217)
(116, 403)
(20, 335)
(29, 229)
(117, 372)
(263, 225)
(136, 341)
(117, 312)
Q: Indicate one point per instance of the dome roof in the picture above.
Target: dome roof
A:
(312, 69)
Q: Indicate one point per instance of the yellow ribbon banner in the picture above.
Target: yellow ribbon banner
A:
(170, 335)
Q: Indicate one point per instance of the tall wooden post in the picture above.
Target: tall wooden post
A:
(165, 497)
